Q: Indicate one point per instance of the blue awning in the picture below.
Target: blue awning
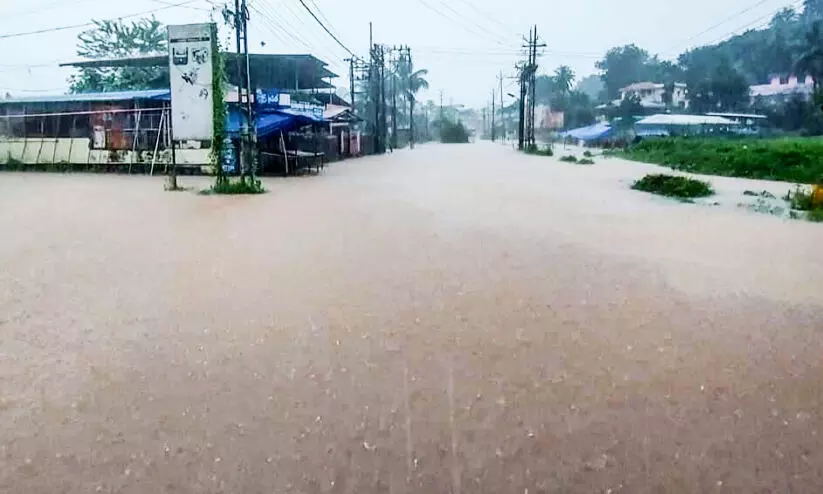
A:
(589, 133)
(267, 123)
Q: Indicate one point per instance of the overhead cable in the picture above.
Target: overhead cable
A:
(88, 24)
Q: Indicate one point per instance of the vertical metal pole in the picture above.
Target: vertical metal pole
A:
(239, 68)
(251, 140)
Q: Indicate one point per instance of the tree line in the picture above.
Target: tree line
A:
(718, 76)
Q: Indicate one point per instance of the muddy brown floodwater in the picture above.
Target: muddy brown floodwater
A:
(454, 319)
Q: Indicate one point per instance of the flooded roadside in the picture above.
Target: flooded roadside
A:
(458, 319)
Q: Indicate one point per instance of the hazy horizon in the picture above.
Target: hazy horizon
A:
(464, 44)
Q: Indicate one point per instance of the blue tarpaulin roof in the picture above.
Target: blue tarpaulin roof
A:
(589, 133)
(159, 94)
(267, 123)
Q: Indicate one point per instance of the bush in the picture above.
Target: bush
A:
(790, 159)
(587, 154)
(453, 132)
(569, 159)
(537, 151)
(804, 200)
(585, 161)
(671, 186)
(223, 185)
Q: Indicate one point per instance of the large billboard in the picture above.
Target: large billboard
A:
(190, 70)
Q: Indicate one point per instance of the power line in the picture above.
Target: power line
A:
(171, 4)
(88, 24)
(478, 26)
(325, 28)
(768, 17)
(453, 21)
(39, 9)
(724, 21)
(274, 25)
(486, 15)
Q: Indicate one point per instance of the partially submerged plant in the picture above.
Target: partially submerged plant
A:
(673, 186)
(585, 161)
(569, 159)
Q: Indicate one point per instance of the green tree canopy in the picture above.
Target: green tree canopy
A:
(117, 39)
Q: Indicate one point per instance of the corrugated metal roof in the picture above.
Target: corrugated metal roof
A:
(92, 97)
(663, 119)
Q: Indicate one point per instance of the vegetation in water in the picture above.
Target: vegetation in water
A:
(453, 132)
(243, 185)
(569, 159)
(791, 160)
(808, 201)
(588, 154)
(673, 186)
(538, 151)
(586, 161)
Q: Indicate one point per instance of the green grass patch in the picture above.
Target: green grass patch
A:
(227, 186)
(569, 159)
(789, 159)
(538, 151)
(672, 186)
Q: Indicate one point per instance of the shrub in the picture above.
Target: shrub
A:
(537, 151)
(671, 186)
(585, 161)
(786, 159)
(587, 154)
(569, 159)
(242, 186)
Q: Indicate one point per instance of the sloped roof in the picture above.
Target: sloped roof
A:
(284, 71)
(665, 119)
(153, 94)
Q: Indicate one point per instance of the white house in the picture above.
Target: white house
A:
(783, 87)
(651, 94)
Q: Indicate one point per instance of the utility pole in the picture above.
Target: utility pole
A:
(532, 88)
(238, 27)
(502, 107)
(485, 129)
(493, 126)
(394, 73)
(251, 137)
(441, 104)
(351, 81)
(410, 94)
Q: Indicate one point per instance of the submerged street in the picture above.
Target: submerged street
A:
(448, 319)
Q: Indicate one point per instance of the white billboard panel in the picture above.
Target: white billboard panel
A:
(190, 69)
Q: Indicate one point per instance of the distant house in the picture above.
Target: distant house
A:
(652, 95)
(781, 88)
(547, 119)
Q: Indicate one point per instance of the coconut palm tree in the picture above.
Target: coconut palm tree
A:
(415, 82)
(563, 79)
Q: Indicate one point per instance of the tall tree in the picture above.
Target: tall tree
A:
(414, 83)
(622, 66)
(116, 39)
(811, 59)
(563, 79)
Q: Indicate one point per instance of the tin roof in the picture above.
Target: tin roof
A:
(153, 94)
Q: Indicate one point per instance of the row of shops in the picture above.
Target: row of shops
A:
(131, 131)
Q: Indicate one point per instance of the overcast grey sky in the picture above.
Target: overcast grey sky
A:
(463, 43)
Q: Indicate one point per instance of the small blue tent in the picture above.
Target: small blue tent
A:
(594, 132)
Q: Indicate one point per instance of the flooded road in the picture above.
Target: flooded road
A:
(454, 319)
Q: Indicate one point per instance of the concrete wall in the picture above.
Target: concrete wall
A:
(48, 151)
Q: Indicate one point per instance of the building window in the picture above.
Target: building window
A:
(784, 80)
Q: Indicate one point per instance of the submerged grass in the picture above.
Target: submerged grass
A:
(672, 186)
